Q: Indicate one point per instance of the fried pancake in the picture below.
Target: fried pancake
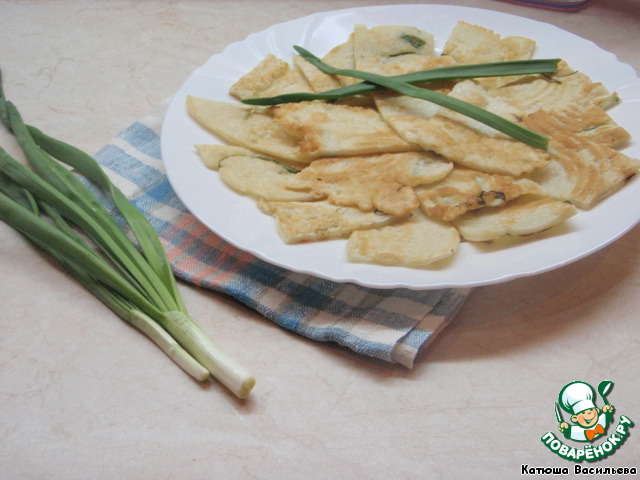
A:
(523, 216)
(326, 129)
(469, 44)
(465, 189)
(312, 221)
(261, 77)
(260, 178)
(322, 82)
(341, 56)
(451, 134)
(211, 154)
(249, 127)
(592, 123)
(378, 182)
(392, 49)
(565, 91)
(272, 76)
(582, 171)
(319, 80)
(416, 242)
(293, 81)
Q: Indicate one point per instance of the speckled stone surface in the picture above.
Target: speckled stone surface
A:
(85, 396)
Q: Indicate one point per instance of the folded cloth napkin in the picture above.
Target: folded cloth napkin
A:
(392, 325)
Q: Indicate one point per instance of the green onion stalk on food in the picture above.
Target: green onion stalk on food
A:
(57, 212)
(404, 84)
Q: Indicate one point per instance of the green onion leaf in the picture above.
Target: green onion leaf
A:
(454, 72)
(78, 259)
(488, 118)
(59, 214)
(413, 40)
(404, 84)
(144, 233)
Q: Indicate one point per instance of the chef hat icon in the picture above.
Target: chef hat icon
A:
(577, 397)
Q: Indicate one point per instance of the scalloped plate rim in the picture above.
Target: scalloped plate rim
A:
(200, 190)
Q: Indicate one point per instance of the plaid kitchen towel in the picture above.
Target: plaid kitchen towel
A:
(393, 325)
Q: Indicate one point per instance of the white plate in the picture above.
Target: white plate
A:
(237, 219)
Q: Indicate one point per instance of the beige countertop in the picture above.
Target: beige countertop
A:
(84, 396)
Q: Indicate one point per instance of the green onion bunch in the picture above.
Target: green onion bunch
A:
(405, 84)
(56, 211)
